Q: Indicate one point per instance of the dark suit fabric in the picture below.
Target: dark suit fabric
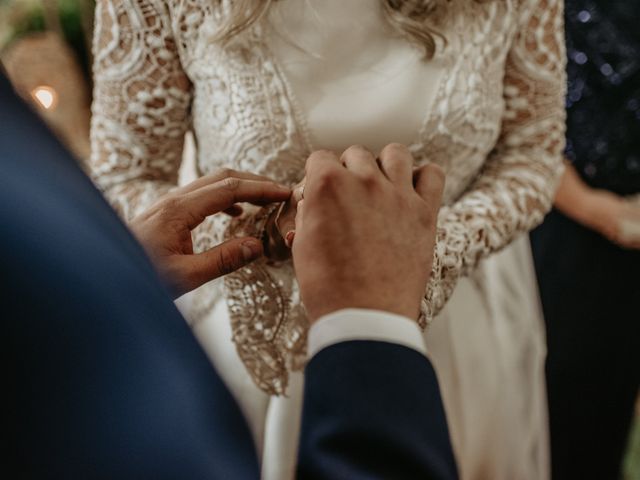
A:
(103, 376)
(373, 410)
(107, 380)
(590, 296)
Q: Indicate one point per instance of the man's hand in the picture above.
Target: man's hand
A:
(164, 229)
(365, 232)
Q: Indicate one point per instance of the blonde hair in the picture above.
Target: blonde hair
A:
(414, 19)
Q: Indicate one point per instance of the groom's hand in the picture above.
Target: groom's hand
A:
(365, 231)
(164, 229)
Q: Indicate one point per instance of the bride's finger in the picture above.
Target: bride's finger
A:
(290, 236)
(396, 163)
(286, 220)
(429, 181)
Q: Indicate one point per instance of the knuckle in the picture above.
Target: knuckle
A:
(225, 172)
(356, 151)
(226, 261)
(324, 152)
(230, 184)
(393, 149)
(168, 206)
(359, 149)
(317, 155)
(436, 171)
(270, 186)
(328, 179)
(370, 180)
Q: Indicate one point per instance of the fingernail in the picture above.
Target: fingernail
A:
(284, 188)
(250, 249)
(288, 238)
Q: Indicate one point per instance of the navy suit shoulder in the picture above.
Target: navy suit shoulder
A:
(106, 379)
(382, 417)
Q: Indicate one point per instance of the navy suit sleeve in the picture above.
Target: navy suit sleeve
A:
(104, 378)
(373, 410)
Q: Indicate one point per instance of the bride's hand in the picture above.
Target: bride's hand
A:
(281, 226)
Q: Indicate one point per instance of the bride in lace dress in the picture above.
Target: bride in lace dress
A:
(474, 86)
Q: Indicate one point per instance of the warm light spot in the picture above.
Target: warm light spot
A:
(46, 97)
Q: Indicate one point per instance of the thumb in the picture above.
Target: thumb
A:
(221, 260)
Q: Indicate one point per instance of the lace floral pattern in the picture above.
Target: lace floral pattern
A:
(496, 127)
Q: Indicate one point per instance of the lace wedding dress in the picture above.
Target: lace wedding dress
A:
(488, 108)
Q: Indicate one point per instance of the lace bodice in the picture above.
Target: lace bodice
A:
(496, 126)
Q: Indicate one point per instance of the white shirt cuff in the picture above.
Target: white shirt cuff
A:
(361, 324)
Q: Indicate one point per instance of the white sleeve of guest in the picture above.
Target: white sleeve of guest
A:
(362, 324)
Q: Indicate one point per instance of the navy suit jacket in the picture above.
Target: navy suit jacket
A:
(105, 379)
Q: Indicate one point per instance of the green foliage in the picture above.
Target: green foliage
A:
(632, 463)
(32, 21)
(23, 17)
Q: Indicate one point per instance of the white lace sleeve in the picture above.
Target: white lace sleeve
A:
(515, 188)
(140, 107)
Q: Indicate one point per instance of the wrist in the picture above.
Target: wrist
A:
(594, 212)
(581, 206)
(316, 311)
